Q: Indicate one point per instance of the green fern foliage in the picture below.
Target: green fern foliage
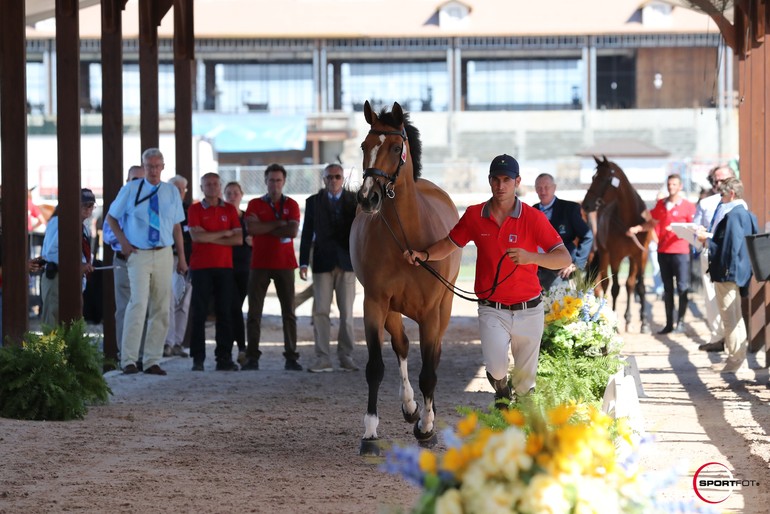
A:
(53, 376)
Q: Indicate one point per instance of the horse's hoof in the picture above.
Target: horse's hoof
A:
(645, 328)
(425, 439)
(411, 418)
(369, 448)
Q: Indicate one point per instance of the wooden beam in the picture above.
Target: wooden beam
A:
(184, 41)
(757, 22)
(13, 135)
(149, 117)
(68, 152)
(729, 32)
(112, 145)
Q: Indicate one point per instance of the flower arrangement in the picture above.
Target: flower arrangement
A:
(563, 460)
(580, 347)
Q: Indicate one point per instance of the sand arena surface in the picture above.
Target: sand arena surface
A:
(280, 441)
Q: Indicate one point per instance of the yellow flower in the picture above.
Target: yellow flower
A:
(467, 425)
(427, 462)
(454, 460)
(514, 417)
(534, 444)
(561, 414)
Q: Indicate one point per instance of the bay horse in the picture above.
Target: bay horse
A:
(398, 211)
(618, 207)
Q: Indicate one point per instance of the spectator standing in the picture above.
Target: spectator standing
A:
(673, 251)
(326, 231)
(179, 306)
(511, 315)
(704, 216)
(50, 281)
(241, 263)
(730, 268)
(214, 229)
(273, 222)
(567, 218)
(120, 272)
(152, 211)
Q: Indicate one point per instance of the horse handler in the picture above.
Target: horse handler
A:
(509, 237)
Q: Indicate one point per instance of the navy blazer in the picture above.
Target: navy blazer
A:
(568, 221)
(326, 233)
(728, 254)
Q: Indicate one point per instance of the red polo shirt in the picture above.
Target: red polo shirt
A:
(212, 218)
(682, 212)
(525, 227)
(268, 251)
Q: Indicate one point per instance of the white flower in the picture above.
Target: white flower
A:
(595, 496)
(545, 495)
(450, 503)
(505, 454)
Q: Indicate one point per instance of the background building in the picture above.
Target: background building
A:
(648, 84)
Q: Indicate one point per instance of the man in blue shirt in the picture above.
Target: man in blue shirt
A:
(151, 211)
(49, 283)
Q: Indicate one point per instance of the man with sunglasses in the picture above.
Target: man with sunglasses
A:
(705, 213)
(326, 231)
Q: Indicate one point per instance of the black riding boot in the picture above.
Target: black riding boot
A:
(503, 395)
(683, 301)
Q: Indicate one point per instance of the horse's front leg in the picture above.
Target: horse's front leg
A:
(375, 370)
(430, 350)
(630, 286)
(400, 342)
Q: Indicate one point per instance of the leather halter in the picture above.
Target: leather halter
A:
(387, 188)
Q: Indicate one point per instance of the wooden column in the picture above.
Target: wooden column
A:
(184, 60)
(149, 117)
(112, 144)
(68, 151)
(13, 134)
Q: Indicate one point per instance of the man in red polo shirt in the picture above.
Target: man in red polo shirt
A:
(214, 229)
(673, 251)
(514, 238)
(273, 222)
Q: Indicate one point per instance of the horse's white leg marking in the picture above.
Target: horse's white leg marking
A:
(370, 426)
(406, 391)
(427, 416)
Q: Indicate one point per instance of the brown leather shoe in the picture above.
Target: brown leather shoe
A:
(130, 369)
(155, 370)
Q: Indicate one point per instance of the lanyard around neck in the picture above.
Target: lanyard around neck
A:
(138, 200)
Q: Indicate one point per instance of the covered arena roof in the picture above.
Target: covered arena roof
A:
(403, 18)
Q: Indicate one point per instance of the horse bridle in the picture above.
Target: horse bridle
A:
(599, 200)
(388, 187)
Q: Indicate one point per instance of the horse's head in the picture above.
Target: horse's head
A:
(604, 184)
(387, 147)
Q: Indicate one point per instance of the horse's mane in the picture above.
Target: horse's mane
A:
(415, 145)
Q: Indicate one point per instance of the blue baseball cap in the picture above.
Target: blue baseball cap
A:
(504, 165)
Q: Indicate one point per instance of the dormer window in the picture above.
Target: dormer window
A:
(656, 14)
(453, 14)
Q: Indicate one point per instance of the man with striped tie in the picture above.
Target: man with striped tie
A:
(151, 211)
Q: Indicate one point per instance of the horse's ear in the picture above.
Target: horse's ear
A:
(605, 158)
(398, 113)
(598, 162)
(368, 114)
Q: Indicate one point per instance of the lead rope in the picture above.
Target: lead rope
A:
(450, 286)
